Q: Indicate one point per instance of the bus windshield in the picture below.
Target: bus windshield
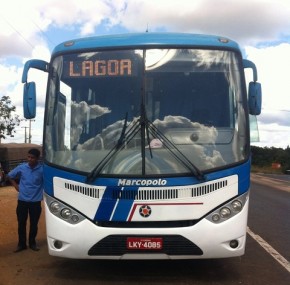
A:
(146, 112)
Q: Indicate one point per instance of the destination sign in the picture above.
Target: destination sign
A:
(98, 68)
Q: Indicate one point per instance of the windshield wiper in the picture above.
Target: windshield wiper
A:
(125, 137)
(122, 136)
(156, 133)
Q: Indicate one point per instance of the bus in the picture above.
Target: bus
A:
(146, 146)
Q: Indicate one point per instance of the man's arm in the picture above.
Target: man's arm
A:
(13, 183)
(12, 177)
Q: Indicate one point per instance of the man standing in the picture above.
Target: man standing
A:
(30, 195)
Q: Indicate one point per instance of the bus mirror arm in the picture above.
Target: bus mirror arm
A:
(254, 90)
(34, 63)
(249, 64)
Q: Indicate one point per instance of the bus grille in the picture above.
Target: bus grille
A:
(90, 191)
(149, 193)
(153, 224)
(115, 245)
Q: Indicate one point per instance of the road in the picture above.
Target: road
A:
(270, 209)
(268, 220)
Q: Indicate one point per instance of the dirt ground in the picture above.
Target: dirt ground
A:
(39, 268)
(22, 267)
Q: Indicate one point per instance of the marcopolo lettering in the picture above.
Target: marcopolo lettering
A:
(142, 182)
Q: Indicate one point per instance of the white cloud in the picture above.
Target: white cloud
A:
(9, 77)
(246, 21)
(273, 72)
(11, 85)
(273, 135)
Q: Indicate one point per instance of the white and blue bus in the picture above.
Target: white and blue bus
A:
(146, 146)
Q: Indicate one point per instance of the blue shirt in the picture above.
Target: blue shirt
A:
(31, 182)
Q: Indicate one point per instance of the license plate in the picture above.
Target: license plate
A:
(144, 243)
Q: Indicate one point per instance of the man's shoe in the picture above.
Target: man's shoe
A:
(34, 247)
(20, 248)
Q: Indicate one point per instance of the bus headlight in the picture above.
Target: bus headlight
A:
(63, 211)
(225, 212)
(237, 205)
(54, 207)
(228, 210)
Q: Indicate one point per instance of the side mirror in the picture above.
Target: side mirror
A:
(255, 98)
(29, 100)
(29, 91)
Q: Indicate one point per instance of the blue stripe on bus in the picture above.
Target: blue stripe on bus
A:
(107, 204)
(124, 206)
(110, 205)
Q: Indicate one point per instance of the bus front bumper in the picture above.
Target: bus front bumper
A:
(205, 239)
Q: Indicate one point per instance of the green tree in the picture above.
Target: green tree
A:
(264, 157)
(8, 119)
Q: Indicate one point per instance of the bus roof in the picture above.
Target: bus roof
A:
(149, 40)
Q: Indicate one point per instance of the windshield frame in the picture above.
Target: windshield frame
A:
(143, 133)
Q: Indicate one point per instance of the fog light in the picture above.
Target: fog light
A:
(234, 243)
(225, 212)
(57, 244)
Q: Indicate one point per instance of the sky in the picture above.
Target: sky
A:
(32, 28)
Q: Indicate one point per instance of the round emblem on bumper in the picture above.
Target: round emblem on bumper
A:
(145, 211)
